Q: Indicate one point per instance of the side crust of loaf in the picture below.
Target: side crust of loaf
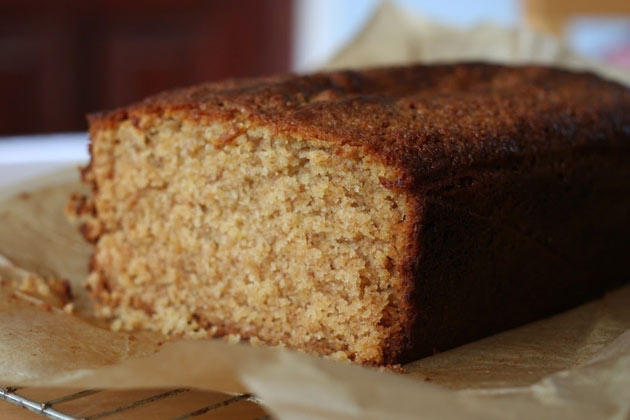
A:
(376, 216)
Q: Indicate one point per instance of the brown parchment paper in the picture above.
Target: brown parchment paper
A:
(574, 365)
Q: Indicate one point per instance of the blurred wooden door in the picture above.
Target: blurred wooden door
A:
(62, 59)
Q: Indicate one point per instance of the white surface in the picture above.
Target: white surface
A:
(61, 147)
(25, 157)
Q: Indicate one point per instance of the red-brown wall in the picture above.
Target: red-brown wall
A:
(62, 59)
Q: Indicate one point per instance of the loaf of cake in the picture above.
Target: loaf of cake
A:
(376, 215)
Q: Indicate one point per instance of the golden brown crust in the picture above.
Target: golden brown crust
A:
(427, 119)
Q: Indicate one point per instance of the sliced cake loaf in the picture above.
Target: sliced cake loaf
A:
(377, 215)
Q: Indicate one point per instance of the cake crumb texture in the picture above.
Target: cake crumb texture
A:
(251, 236)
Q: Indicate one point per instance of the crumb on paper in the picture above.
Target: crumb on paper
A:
(256, 342)
(116, 325)
(53, 290)
(397, 368)
(339, 356)
(233, 338)
(48, 292)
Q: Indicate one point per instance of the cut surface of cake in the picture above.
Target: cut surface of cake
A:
(375, 215)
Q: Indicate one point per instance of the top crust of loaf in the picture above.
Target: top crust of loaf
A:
(429, 120)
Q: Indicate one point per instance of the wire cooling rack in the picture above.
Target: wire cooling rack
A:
(50, 408)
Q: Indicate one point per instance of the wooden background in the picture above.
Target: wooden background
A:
(62, 59)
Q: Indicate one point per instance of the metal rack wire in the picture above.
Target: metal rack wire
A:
(47, 408)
